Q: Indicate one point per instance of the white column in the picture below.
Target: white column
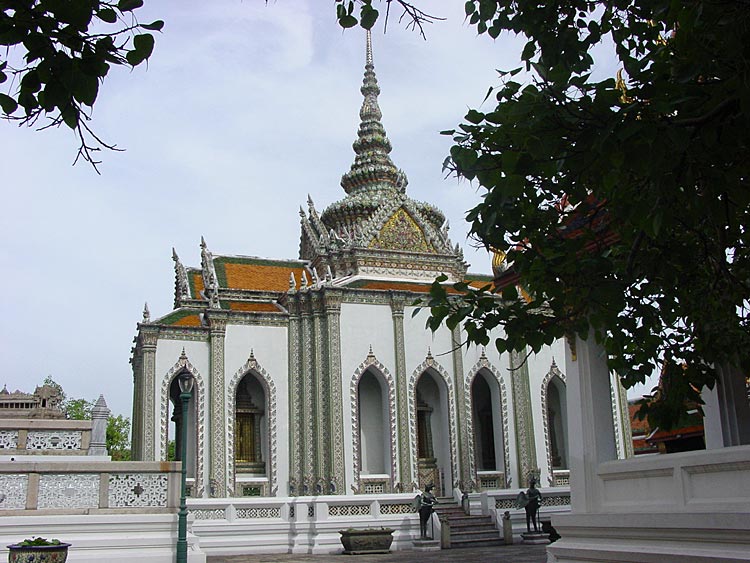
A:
(591, 432)
(734, 410)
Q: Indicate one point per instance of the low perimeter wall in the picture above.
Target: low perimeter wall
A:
(298, 524)
(108, 511)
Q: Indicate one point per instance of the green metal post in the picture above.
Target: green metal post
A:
(182, 515)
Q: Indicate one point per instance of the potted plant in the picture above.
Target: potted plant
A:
(366, 540)
(38, 550)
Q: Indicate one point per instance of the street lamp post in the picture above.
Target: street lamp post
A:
(185, 379)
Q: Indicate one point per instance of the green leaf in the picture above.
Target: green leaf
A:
(85, 88)
(154, 26)
(8, 104)
(76, 13)
(30, 81)
(657, 221)
(474, 117)
(70, 115)
(368, 16)
(143, 46)
(347, 21)
(528, 51)
(129, 5)
(107, 15)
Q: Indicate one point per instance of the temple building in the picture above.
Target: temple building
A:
(315, 375)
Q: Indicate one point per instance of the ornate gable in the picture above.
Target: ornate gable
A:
(401, 232)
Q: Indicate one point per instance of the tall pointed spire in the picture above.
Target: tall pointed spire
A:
(373, 169)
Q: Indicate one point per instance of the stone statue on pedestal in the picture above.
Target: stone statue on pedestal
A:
(530, 500)
(426, 502)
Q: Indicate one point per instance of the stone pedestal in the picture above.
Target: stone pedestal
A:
(534, 538)
(426, 545)
(369, 540)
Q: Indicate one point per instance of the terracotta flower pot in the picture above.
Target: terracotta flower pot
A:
(368, 540)
(38, 553)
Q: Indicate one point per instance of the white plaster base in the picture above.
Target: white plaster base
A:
(651, 538)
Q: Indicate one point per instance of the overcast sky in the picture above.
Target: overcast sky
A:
(244, 110)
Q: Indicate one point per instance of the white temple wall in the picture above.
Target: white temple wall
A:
(270, 348)
(539, 366)
(362, 326)
(417, 340)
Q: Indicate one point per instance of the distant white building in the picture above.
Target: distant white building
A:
(315, 376)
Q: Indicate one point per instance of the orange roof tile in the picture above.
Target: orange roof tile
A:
(253, 306)
(259, 277)
(190, 320)
(197, 284)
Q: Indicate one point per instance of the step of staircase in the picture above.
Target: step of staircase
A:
(468, 531)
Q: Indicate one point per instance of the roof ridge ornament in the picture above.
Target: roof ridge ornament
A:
(210, 281)
(372, 169)
(181, 285)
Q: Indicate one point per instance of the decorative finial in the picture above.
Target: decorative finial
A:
(303, 284)
(429, 353)
(292, 281)
(316, 277)
(183, 355)
(483, 356)
(302, 212)
(252, 356)
(203, 242)
(146, 313)
(368, 48)
(554, 365)
(329, 273)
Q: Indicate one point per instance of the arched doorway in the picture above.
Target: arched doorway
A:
(174, 444)
(374, 431)
(487, 424)
(251, 427)
(557, 422)
(433, 432)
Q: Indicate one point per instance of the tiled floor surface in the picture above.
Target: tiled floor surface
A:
(501, 554)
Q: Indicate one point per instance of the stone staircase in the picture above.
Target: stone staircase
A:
(467, 531)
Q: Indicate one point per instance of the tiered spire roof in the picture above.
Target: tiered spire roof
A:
(376, 229)
(372, 169)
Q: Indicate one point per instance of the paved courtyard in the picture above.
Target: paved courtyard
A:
(500, 554)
